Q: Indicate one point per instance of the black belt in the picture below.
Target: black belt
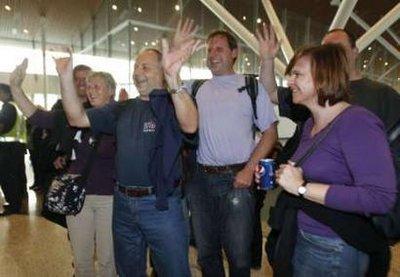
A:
(210, 169)
(136, 192)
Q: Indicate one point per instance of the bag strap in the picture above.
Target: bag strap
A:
(394, 133)
(92, 155)
(196, 86)
(314, 146)
(252, 91)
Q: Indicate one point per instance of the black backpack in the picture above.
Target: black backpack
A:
(389, 224)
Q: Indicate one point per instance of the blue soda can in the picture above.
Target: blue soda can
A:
(267, 174)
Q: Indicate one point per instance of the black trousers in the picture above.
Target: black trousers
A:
(12, 173)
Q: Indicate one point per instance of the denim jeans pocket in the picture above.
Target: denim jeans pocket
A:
(324, 245)
(326, 256)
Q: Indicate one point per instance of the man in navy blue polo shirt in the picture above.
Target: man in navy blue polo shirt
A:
(149, 131)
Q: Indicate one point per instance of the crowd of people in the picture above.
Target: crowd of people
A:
(335, 172)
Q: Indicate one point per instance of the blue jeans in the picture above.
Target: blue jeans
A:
(222, 217)
(328, 257)
(138, 224)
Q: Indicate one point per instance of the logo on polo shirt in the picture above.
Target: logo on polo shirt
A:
(149, 127)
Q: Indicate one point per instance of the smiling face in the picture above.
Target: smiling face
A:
(80, 82)
(98, 92)
(301, 82)
(220, 57)
(148, 74)
(319, 75)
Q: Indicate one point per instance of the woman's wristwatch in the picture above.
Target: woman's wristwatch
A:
(302, 189)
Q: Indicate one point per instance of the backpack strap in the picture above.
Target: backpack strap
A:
(196, 86)
(252, 90)
(394, 133)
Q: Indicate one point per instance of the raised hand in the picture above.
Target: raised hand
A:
(19, 73)
(20, 98)
(267, 41)
(123, 95)
(174, 58)
(184, 32)
(64, 64)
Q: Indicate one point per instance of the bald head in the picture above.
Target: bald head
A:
(148, 74)
(348, 42)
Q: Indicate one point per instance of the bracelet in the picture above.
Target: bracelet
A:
(176, 91)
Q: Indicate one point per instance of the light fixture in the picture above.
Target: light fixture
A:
(153, 43)
(135, 29)
(114, 7)
(246, 59)
(248, 64)
(177, 8)
(259, 20)
(122, 44)
(7, 8)
(244, 17)
(146, 43)
(139, 9)
(132, 42)
(364, 66)
(386, 63)
(25, 31)
(370, 48)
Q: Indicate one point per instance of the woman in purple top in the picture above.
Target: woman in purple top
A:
(351, 169)
(90, 230)
(92, 226)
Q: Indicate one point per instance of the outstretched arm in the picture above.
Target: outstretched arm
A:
(268, 48)
(72, 105)
(20, 98)
(172, 61)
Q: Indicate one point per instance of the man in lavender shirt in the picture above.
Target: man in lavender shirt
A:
(220, 197)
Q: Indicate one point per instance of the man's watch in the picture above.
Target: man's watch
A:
(302, 189)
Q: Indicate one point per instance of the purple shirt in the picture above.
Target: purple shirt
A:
(355, 160)
(101, 178)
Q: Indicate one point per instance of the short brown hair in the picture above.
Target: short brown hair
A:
(232, 42)
(80, 67)
(329, 71)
